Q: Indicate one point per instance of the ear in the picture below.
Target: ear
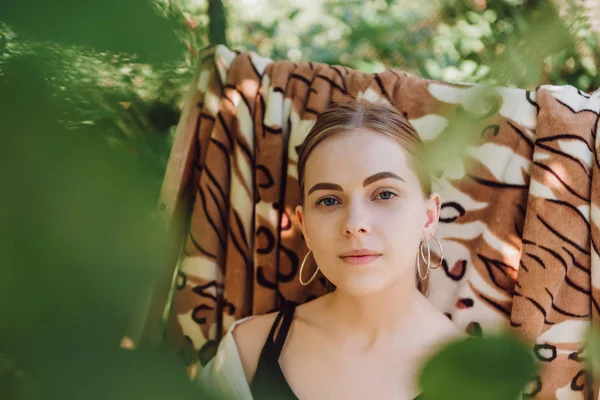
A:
(432, 212)
(300, 217)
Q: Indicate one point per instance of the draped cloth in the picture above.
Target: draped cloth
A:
(520, 214)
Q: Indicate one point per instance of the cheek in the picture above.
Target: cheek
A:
(402, 222)
(401, 234)
(320, 227)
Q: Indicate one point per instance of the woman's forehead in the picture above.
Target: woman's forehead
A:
(355, 156)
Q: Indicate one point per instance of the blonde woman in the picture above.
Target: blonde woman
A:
(367, 210)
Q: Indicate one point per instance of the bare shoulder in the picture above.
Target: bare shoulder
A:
(438, 330)
(449, 332)
(250, 337)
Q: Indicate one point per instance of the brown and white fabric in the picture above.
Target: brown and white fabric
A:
(520, 220)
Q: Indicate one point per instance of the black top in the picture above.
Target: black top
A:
(269, 382)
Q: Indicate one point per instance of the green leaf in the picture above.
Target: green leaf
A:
(584, 82)
(132, 26)
(490, 15)
(468, 67)
(589, 65)
(433, 69)
(369, 67)
(491, 368)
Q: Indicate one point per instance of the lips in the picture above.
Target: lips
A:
(360, 256)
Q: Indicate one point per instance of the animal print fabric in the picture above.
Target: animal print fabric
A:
(520, 221)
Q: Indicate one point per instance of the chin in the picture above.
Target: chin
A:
(362, 286)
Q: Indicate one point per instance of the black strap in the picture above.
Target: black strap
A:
(287, 314)
(275, 325)
(269, 382)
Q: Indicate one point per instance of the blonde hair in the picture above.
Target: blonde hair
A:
(377, 117)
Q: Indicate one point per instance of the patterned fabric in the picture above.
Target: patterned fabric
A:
(520, 221)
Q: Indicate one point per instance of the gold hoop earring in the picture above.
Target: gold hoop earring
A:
(427, 262)
(441, 252)
(312, 278)
(421, 255)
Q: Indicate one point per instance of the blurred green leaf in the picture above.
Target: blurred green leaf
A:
(132, 26)
(79, 249)
(491, 368)
(592, 352)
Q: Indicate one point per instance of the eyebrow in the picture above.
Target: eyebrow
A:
(379, 176)
(370, 180)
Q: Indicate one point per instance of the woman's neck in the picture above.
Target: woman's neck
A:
(374, 317)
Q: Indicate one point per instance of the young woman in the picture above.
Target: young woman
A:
(368, 217)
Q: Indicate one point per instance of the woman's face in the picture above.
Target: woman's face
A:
(364, 213)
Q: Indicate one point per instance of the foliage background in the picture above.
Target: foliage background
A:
(124, 66)
(90, 94)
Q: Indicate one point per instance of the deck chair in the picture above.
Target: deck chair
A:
(520, 220)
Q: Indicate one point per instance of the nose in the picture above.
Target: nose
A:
(357, 222)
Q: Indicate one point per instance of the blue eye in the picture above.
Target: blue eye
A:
(327, 201)
(386, 195)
